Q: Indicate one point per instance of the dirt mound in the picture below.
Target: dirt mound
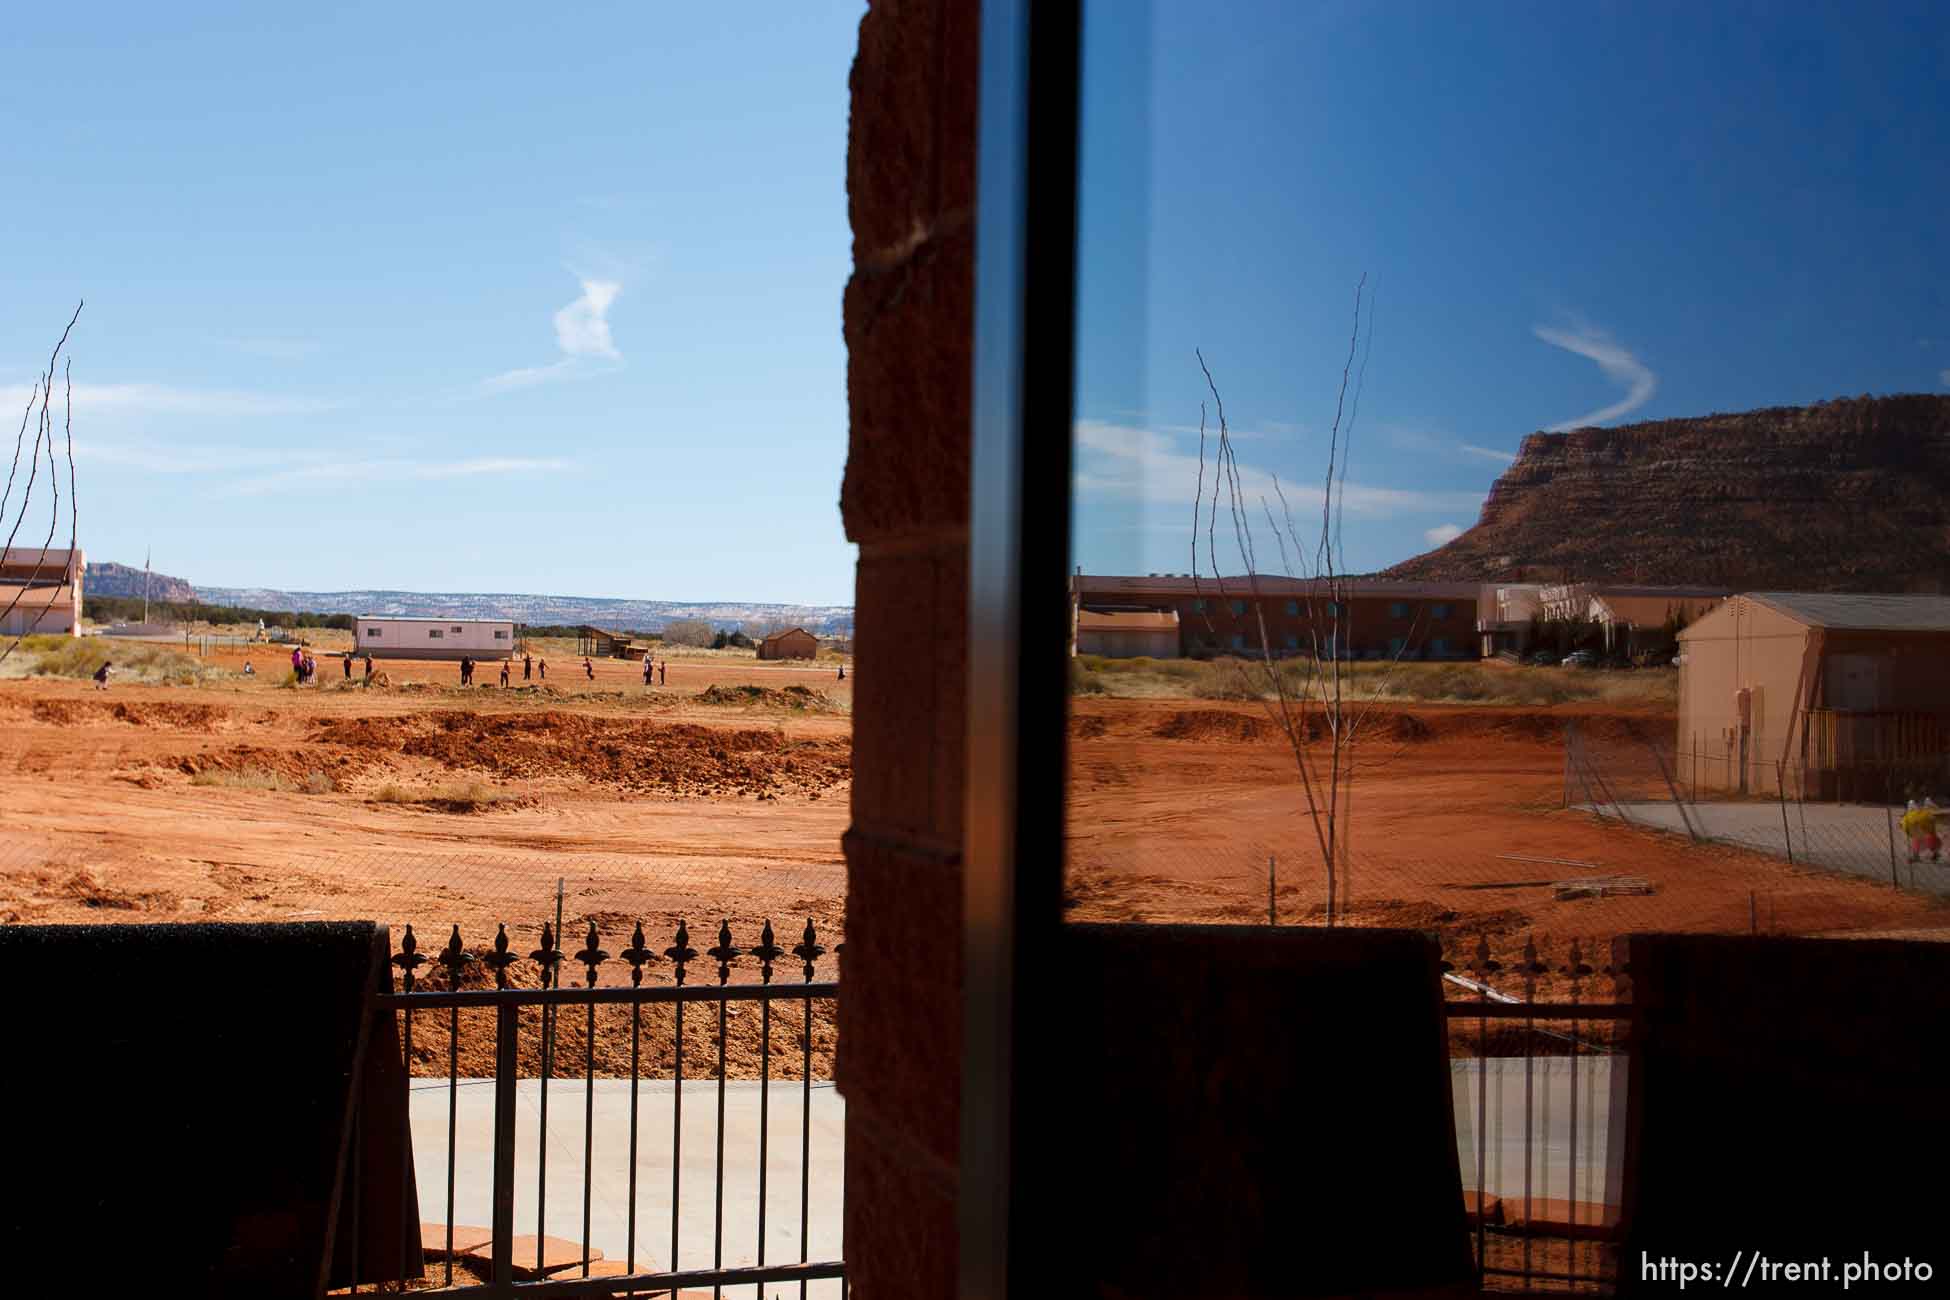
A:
(296, 764)
(1088, 728)
(1409, 727)
(791, 697)
(664, 758)
(1212, 724)
(147, 713)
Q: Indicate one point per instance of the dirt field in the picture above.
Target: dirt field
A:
(722, 794)
(1177, 805)
(148, 803)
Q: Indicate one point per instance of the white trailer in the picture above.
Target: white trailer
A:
(385, 637)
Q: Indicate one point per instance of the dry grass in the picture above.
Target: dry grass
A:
(1440, 683)
(258, 778)
(457, 797)
(132, 661)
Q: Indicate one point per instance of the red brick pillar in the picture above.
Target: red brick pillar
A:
(909, 336)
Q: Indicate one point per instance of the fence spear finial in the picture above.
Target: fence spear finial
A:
(592, 956)
(808, 950)
(681, 951)
(408, 958)
(767, 952)
(455, 959)
(724, 953)
(636, 954)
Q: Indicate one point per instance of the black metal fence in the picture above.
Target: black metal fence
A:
(503, 1264)
(1533, 1081)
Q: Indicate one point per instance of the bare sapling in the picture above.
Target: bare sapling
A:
(1308, 691)
(38, 415)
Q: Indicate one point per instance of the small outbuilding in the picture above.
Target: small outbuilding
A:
(1825, 695)
(597, 643)
(793, 643)
(40, 591)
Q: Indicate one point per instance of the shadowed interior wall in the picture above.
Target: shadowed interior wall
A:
(909, 335)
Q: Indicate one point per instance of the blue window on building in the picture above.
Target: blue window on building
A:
(1238, 642)
(1292, 641)
(1396, 645)
(1439, 612)
(1439, 648)
(1292, 609)
(1198, 606)
(1398, 610)
(1238, 607)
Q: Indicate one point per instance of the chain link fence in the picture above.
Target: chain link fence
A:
(1846, 820)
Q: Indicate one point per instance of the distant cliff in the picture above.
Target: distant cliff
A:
(110, 579)
(1852, 494)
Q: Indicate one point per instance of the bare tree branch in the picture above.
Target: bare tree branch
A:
(42, 397)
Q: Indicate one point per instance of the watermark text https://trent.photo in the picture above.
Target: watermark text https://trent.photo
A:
(1750, 1268)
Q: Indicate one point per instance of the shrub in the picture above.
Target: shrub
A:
(463, 796)
(245, 778)
(137, 661)
(689, 631)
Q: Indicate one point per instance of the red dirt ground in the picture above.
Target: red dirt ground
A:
(659, 805)
(1176, 806)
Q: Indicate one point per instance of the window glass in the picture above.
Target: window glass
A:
(1503, 347)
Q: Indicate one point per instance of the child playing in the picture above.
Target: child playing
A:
(101, 676)
(1919, 826)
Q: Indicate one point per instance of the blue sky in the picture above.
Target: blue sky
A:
(1590, 213)
(442, 297)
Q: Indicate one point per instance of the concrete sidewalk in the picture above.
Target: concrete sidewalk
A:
(1552, 1138)
(1855, 838)
(609, 1183)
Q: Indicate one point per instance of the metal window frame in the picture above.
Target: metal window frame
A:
(1019, 545)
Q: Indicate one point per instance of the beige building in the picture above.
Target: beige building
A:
(1129, 634)
(1631, 617)
(40, 591)
(1831, 695)
(793, 643)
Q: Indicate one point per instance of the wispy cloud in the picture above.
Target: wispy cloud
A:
(165, 399)
(1144, 465)
(1442, 534)
(1488, 453)
(582, 334)
(272, 469)
(1944, 375)
(1618, 364)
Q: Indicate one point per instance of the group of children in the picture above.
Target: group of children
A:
(1919, 824)
(529, 665)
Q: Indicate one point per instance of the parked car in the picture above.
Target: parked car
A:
(1581, 659)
